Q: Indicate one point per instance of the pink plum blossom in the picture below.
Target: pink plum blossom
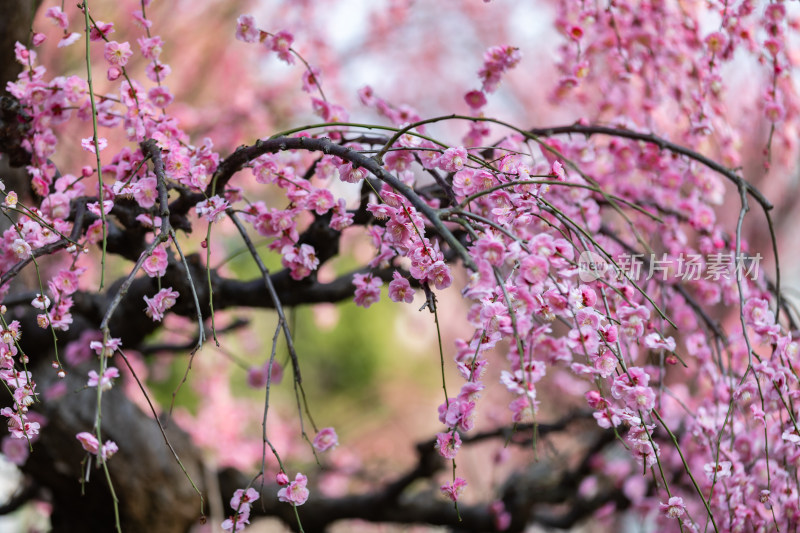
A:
(68, 39)
(368, 289)
(399, 289)
(453, 159)
(296, 492)
(212, 209)
(155, 265)
(242, 499)
(57, 16)
(475, 99)
(237, 522)
(716, 471)
(101, 29)
(88, 144)
(301, 261)
(325, 440)
(110, 347)
(158, 304)
(107, 381)
(257, 376)
(15, 450)
(448, 444)
(21, 249)
(246, 29)
(453, 490)
(92, 445)
(281, 43)
(674, 508)
(117, 54)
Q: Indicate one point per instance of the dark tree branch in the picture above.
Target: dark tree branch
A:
(145, 475)
(237, 324)
(244, 155)
(14, 127)
(661, 143)
(77, 230)
(543, 484)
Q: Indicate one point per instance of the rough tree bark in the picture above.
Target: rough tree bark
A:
(15, 24)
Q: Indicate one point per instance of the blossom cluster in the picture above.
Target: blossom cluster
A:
(93, 446)
(519, 213)
(21, 426)
(762, 32)
(294, 492)
(241, 502)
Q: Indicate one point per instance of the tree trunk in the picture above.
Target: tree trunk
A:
(153, 492)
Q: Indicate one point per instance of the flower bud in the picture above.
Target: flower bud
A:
(282, 479)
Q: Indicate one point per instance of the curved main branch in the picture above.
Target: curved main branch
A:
(244, 155)
(664, 145)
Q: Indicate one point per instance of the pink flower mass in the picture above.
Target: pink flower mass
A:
(589, 207)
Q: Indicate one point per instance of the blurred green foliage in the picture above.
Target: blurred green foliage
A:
(344, 366)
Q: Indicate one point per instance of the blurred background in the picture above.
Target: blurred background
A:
(372, 374)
